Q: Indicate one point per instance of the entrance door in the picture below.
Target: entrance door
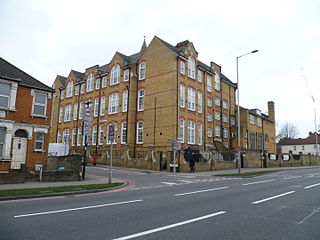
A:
(19, 152)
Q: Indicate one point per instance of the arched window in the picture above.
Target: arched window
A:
(115, 75)
(70, 89)
(21, 133)
(191, 67)
(90, 82)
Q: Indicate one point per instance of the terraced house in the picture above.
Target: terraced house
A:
(25, 108)
(163, 92)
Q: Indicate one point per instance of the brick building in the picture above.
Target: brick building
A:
(25, 109)
(258, 129)
(162, 92)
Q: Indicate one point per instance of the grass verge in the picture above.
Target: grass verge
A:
(247, 174)
(62, 189)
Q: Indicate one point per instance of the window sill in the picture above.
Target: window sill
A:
(39, 116)
(38, 151)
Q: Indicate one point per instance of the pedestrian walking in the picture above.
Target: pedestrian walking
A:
(191, 165)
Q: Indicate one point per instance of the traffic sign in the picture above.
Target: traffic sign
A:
(111, 132)
(176, 145)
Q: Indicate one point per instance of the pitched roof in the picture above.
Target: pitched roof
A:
(79, 76)
(311, 139)
(7, 70)
(62, 79)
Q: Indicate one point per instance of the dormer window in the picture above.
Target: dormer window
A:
(142, 71)
(115, 75)
(191, 67)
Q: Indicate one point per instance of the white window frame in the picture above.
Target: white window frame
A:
(96, 107)
(113, 103)
(140, 104)
(124, 127)
(125, 94)
(209, 83)
(90, 82)
(79, 136)
(209, 117)
(182, 67)
(199, 134)
(191, 67)
(181, 130)
(59, 137)
(232, 120)
(82, 88)
(140, 126)
(98, 83)
(67, 113)
(75, 111)
(39, 104)
(142, 70)
(126, 75)
(94, 135)
(104, 82)
(66, 136)
(182, 95)
(217, 131)
(191, 99)
(199, 75)
(62, 93)
(41, 141)
(3, 133)
(209, 133)
(101, 135)
(69, 89)
(251, 119)
(225, 118)
(6, 96)
(217, 115)
(199, 102)
(225, 133)
(103, 106)
(225, 104)
(60, 114)
(217, 101)
(191, 132)
(81, 110)
(77, 90)
(74, 137)
(115, 75)
(259, 122)
(209, 102)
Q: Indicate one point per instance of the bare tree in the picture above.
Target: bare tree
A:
(287, 131)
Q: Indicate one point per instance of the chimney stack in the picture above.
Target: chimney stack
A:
(271, 111)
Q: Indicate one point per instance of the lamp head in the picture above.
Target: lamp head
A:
(254, 51)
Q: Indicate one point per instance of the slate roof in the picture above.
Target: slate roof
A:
(79, 76)
(9, 71)
(311, 139)
(63, 80)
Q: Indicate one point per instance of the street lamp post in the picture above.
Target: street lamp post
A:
(238, 112)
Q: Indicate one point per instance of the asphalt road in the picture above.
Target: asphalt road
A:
(283, 205)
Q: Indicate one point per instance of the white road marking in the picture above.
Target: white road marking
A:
(200, 191)
(76, 209)
(313, 212)
(186, 181)
(245, 184)
(314, 185)
(273, 197)
(169, 226)
(169, 183)
(292, 177)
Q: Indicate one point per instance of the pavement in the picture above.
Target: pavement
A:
(93, 179)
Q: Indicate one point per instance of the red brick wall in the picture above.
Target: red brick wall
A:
(23, 113)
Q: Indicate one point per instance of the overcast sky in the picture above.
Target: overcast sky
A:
(47, 38)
